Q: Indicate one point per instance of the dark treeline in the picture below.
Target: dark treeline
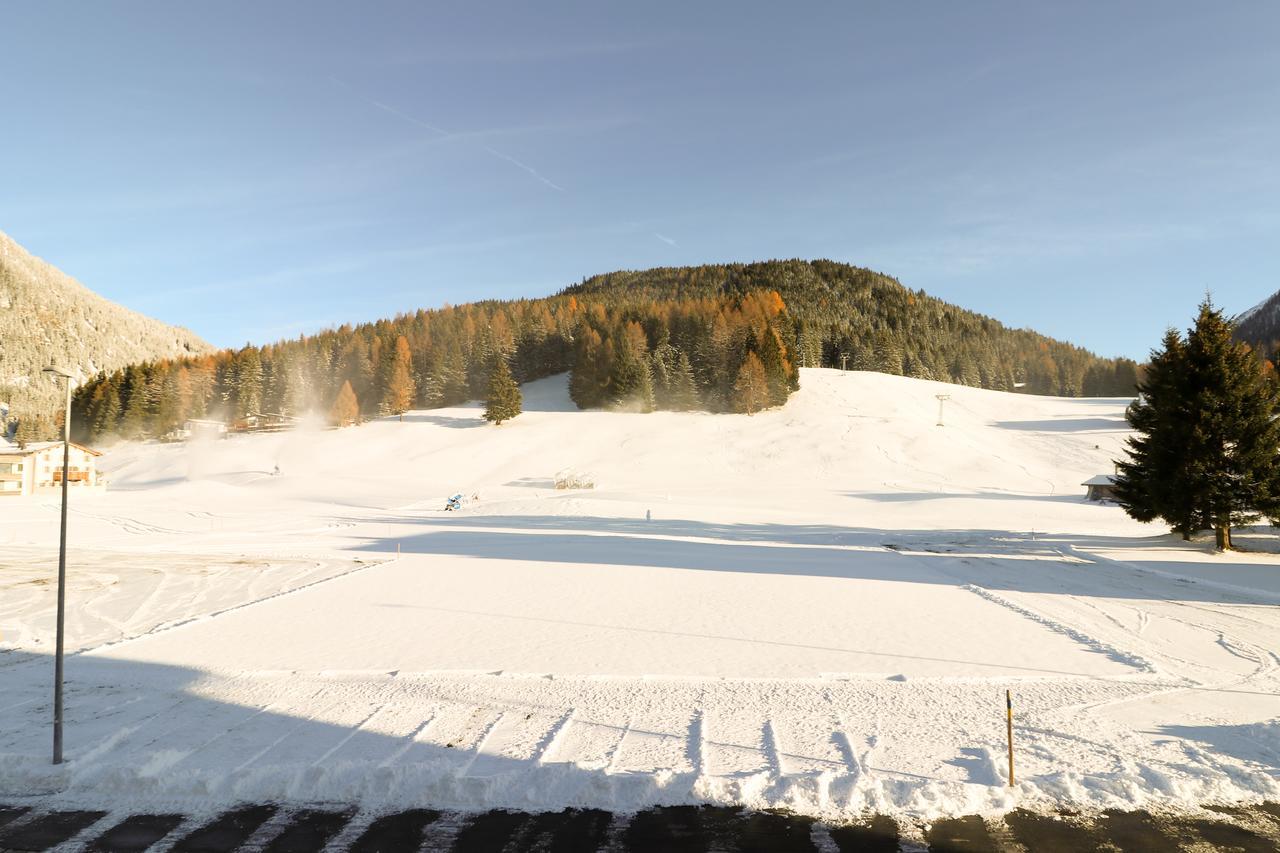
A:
(872, 322)
(715, 338)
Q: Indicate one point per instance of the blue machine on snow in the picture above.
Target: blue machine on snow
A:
(454, 503)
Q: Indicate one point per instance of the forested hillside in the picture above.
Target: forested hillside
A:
(48, 317)
(1260, 327)
(878, 324)
(718, 338)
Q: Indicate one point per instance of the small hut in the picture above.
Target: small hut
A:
(1101, 487)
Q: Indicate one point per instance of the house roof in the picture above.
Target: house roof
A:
(1101, 480)
(37, 446)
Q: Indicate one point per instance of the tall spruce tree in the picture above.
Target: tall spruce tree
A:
(630, 380)
(1154, 482)
(684, 388)
(775, 366)
(1207, 449)
(247, 383)
(504, 401)
(1236, 471)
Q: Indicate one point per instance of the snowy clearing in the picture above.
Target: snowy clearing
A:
(823, 613)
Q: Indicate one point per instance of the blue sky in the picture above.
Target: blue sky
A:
(258, 170)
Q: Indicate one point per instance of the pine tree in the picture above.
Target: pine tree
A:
(26, 431)
(1207, 449)
(106, 414)
(503, 401)
(775, 366)
(398, 387)
(1236, 470)
(630, 380)
(453, 379)
(662, 369)
(345, 410)
(589, 378)
(888, 353)
(751, 389)
(1154, 481)
(248, 382)
(684, 388)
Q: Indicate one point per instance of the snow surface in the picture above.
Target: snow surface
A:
(823, 614)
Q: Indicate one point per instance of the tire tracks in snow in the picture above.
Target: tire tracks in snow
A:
(1093, 643)
(173, 626)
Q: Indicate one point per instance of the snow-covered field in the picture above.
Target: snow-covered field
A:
(818, 607)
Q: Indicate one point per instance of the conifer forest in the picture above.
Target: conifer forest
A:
(719, 338)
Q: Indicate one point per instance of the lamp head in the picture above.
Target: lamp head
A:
(58, 371)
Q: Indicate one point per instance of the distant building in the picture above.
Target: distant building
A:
(264, 422)
(196, 429)
(38, 468)
(1101, 487)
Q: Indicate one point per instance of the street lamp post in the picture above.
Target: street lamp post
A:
(62, 570)
(942, 400)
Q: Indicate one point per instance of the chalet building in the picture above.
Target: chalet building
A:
(37, 468)
(265, 422)
(202, 429)
(1101, 487)
(195, 429)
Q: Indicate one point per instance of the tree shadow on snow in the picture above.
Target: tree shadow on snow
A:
(1256, 744)
(448, 421)
(154, 736)
(1097, 424)
(1052, 563)
(909, 497)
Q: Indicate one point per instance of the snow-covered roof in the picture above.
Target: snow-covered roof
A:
(37, 446)
(1101, 480)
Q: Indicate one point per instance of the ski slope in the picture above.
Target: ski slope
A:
(818, 607)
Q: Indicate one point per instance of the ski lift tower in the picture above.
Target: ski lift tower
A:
(942, 399)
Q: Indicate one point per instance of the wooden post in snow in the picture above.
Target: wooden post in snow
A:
(1008, 702)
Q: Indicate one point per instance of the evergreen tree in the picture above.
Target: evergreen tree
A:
(26, 431)
(662, 369)
(1154, 481)
(453, 379)
(134, 411)
(1207, 449)
(751, 389)
(684, 389)
(590, 375)
(775, 367)
(1236, 469)
(346, 409)
(106, 414)
(630, 382)
(248, 382)
(503, 401)
(398, 388)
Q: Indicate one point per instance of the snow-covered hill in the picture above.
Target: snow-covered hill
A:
(1260, 325)
(817, 607)
(48, 317)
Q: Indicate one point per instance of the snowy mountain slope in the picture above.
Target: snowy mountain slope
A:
(817, 607)
(47, 316)
(1260, 325)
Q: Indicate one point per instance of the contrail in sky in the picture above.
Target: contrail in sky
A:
(664, 238)
(529, 169)
(407, 117)
(446, 134)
